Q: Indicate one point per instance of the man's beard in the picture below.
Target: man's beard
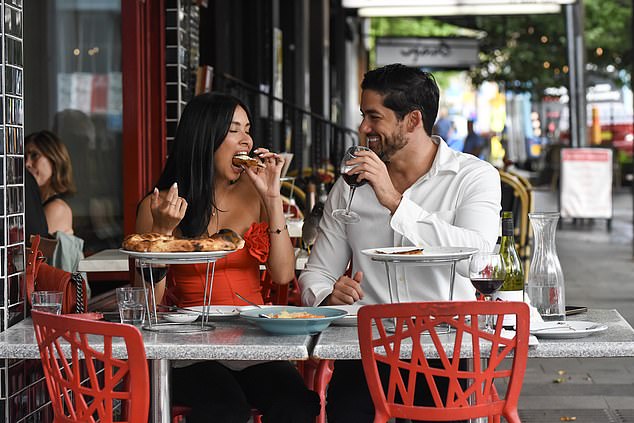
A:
(392, 144)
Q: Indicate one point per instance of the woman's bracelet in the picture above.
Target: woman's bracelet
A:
(278, 230)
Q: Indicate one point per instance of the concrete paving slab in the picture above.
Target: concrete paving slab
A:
(614, 376)
(582, 390)
(548, 402)
(557, 379)
(576, 415)
(622, 402)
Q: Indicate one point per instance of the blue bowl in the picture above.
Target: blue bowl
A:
(304, 326)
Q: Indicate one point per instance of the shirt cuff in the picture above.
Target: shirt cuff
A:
(314, 296)
(406, 213)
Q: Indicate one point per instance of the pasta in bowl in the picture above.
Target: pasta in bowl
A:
(289, 320)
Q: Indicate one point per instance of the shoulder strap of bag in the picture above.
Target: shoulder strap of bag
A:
(78, 280)
(34, 259)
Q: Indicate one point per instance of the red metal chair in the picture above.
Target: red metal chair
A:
(80, 390)
(317, 374)
(417, 325)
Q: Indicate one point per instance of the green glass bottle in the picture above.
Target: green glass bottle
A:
(513, 287)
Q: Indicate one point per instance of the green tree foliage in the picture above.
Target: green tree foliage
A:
(528, 53)
(608, 27)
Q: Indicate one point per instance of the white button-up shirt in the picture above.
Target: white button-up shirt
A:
(456, 203)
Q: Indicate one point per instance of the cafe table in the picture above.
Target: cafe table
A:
(342, 342)
(232, 339)
(111, 260)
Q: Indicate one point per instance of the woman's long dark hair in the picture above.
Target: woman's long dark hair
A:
(203, 126)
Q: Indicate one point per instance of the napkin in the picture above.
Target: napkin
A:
(509, 320)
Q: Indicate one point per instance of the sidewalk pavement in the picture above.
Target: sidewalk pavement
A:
(598, 266)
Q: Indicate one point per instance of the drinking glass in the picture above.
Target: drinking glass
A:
(487, 273)
(131, 301)
(346, 215)
(47, 301)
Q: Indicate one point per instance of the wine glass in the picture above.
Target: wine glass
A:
(346, 215)
(487, 273)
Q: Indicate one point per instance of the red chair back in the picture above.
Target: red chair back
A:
(87, 386)
(471, 393)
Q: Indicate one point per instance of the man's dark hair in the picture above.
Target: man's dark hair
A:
(405, 89)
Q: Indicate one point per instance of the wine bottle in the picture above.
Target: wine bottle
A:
(513, 287)
(311, 193)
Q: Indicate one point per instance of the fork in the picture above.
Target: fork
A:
(565, 325)
(247, 301)
(558, 326)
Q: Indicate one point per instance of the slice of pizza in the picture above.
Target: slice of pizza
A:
(224, 240)
(246, 160)
(144, 242)
(412, 252)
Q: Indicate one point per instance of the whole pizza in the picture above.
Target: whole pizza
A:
(223, 240)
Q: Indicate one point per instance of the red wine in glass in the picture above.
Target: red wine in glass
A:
(346, 215)
(487, 286)
(352, 180)
(487, 272)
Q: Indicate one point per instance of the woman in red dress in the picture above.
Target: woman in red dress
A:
(199, 192)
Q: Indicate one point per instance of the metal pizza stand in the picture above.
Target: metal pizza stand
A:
(430, 256)
(145, 260)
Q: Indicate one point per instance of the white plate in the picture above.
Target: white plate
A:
(181, 317)
(217, 310)
(184, 256)
(429, 254)
(349, 319)
(566, 329)
(221, 310)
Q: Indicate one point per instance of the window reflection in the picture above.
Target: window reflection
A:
(82, 86)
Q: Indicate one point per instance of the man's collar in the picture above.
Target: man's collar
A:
(446, 159)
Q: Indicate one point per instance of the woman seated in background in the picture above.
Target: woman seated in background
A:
(47, 159)
(199, 192)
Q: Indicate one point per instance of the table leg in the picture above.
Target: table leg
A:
(470, 365)
(452, 280)
(389, 281)
(160, 399)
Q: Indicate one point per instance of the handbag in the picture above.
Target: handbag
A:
(43, 277)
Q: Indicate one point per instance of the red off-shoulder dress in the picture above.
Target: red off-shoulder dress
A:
(238, 272)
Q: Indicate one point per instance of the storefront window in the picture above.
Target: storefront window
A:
(73, 87)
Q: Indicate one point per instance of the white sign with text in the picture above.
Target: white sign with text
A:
(452, 53)
(586, 183)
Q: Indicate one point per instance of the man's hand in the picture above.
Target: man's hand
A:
(371, 168)
(346, 290)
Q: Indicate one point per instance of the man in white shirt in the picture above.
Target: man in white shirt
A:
(419, 192)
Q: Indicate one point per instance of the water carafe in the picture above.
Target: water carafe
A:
(545, 286)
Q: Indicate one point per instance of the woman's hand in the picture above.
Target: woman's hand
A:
(267, 181)
(167, 212)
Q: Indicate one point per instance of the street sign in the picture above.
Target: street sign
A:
(452, 53)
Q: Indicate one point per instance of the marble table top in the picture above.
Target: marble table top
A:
(235, 339)
(341, 342)
(111, 260)
(232, 339)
